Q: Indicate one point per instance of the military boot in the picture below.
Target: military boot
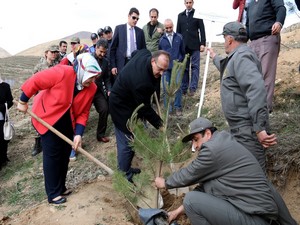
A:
(37, 146)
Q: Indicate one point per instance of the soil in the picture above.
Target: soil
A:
(94, 201)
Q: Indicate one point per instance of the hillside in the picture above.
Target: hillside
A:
(94, 201)
(39, 49)
(4, 53)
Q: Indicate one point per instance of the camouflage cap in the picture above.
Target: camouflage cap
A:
(75, 40)
(53, 48)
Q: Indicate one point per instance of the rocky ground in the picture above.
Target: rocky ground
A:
(94, 201)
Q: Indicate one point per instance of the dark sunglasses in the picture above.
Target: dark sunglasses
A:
(135, 18)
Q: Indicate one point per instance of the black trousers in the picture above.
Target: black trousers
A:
(101, 106)
(3, 145)
(56, 154)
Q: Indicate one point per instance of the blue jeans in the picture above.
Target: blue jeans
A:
(166, 80)
(192, 83)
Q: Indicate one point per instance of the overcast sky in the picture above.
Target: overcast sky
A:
(24, 24)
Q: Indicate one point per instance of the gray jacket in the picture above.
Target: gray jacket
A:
(152, 42)
(243, 93)
(228, 171)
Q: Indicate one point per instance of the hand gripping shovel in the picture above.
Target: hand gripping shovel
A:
(79, 149)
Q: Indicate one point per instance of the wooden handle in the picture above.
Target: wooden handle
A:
(81, 150)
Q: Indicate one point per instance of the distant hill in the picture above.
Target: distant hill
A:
(38, 50)
(82, 35)
(4, 53)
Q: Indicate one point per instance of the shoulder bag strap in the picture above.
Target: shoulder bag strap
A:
(6, 113)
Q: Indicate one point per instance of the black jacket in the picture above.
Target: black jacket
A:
(134, 86)
(189, 28)
(297, 4)
(103, 81)
(5, 97)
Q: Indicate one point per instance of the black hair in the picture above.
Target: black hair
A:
(102, 42)
(134, 10)
(212, 130)
(155, 10)
(62, 42)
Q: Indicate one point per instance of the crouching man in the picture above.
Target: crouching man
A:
(233, 188)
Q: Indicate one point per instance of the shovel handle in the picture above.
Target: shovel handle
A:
(81, 150)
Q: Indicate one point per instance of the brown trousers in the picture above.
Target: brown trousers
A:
(267, 50)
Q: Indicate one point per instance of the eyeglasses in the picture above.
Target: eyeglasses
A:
(135, 18)
(73, 43)
(153, 17)
(159, 67)
(168, 28)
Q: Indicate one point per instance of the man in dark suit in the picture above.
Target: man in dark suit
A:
(127, 38)
(103, 89)
(134, 85)
(189, 27)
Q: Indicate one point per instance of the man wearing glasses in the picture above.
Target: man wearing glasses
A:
(126, 39)
(134, 86)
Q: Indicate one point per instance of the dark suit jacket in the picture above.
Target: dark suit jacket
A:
(134, 85)
(118, 46)
(103, 81)
(189, 28)
(298, 4)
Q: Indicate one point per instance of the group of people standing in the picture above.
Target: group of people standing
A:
(122, 71)
(230, 167)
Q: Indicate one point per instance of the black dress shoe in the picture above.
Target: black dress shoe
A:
(135, 170)
(37, 147)
(59, 201)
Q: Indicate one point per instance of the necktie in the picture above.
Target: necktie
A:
(132, 44)
(187, 13)
(170, 37)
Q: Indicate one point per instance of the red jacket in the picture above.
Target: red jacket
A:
(56, 86)
(241, 5)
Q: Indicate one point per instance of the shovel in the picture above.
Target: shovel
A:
(79, 149)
